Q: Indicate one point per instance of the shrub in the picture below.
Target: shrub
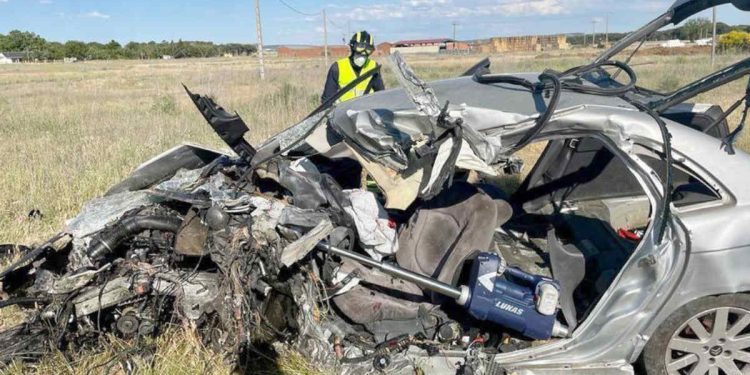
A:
(735, 40)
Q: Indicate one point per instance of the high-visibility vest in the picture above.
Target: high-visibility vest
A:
(347, 75)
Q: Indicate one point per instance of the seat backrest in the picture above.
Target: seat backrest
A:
(449, 229)
(569, 269)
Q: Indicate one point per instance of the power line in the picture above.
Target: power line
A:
(297, 10)
(334, 24)
(325, 24)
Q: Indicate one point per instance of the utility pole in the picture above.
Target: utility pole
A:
(713, 41)
(259, 32)
(325, 38)
(593, 35)
(606, 30)
(454, 31)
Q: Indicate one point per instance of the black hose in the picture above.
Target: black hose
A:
(567, 85)
(727, 113)
(105, 243)
(668, 161)
(543, 119)
(555, 81)
(558, 84)
(501, 78)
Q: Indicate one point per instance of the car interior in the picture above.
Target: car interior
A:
(580, 214)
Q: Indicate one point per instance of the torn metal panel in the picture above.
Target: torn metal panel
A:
(383, 136)
(306, 187)
(444, 153)
(290, 138)
(484, 119)
(387, 144)
(183, 181)
(295, 133)
(186, 156)
(468, 160)
(99, 212)
(419, 92)
(191, 187)
(298, 217)
(489, 149)
(70, 283)
(298, 249)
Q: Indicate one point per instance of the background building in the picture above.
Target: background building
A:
(430, 46)
(12, 57)
(384, 49)
(529, 43)
(533, 43)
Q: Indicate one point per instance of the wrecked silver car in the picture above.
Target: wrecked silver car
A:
(374, 237)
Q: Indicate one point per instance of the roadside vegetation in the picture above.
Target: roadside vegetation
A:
(36, 48)
(70, 131)
(735, 40)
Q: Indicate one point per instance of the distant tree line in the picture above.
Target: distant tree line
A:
(37, 48)
(692, 30)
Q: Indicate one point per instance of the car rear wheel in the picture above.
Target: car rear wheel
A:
(707, 336)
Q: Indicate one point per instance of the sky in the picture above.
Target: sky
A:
(300, 21)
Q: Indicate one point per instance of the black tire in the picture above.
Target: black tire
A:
(654, 359)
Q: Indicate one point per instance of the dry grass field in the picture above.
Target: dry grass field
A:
(69, 131)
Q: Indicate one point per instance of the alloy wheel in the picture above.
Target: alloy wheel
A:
(713, 342)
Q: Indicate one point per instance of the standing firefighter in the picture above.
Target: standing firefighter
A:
(346, 70)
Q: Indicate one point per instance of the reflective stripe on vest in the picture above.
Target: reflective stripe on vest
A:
(347, 75)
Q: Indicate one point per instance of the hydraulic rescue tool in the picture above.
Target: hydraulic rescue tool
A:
(507, 296)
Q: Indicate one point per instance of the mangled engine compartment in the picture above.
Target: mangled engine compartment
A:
(361, 262)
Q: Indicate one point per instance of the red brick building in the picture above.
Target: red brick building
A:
(383, 49)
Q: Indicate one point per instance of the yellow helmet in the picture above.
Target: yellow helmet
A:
(362, 42)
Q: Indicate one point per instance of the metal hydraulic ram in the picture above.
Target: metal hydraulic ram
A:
(460, 294)
(508, 297)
